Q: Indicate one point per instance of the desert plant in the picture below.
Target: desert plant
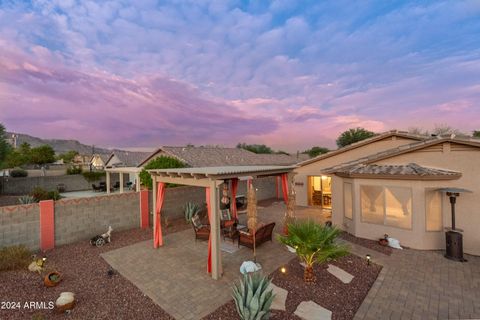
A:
(54, 195)
(18, 173)
(252, 297)
(39, 194)
(14, 257)
(74, 170)
(26, 199)
(191, 209)
(314, 243)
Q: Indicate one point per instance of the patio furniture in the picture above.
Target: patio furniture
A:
(102, 186)
(95, 188)
(262, 235)
(202, 231)
(61, 187)
(232, 231)
(116, 185)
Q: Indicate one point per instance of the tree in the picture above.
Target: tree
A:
(353, 135)
(68, 156)
(42, 154)
(20, 156)
(255, 148)
(315, 151)
(443, 129)
(476, 134)
(5, 147)
(162, 162)
(313, 243)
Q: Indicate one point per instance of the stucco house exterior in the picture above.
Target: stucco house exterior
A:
(389, 185)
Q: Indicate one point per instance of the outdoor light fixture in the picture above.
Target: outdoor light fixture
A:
(368, 259)
(283, 270)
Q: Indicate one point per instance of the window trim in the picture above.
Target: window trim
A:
(352, 198)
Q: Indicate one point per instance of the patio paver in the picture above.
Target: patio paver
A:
(340, 274)
(280, 297)
(309, 310)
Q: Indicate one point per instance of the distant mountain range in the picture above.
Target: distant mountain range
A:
(60, 145)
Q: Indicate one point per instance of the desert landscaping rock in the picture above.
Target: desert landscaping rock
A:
(309, 310)
(280, 297)
(341, 274)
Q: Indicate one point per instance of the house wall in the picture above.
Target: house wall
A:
(20, 225)
(315, 168)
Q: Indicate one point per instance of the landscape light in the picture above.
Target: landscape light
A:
(283, 270)
(368, 259)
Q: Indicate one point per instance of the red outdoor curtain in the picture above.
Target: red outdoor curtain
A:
(277, 183)
(233, 202)
(285, 187)
(158, 239)
(209, 210)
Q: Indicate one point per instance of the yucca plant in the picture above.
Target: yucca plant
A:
(191, 209)
(252, 297)
(314, 243)
(26, 199)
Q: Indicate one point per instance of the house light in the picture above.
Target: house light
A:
(368, 259)
(283, 270)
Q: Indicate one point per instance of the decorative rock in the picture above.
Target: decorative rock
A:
(280, 297)
(309, 310)
(341, 274)
(65, 302)
(249, 266)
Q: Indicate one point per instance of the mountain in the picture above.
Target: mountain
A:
(59, 145)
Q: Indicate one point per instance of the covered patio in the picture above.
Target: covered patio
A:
(211, 178)
(121, 171)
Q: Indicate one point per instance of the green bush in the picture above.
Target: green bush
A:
(92, 176)
(41, 194)
(162, 162)
(54, 195)
(74, 170)
(252, 297)
(14, 258)
(18, 173)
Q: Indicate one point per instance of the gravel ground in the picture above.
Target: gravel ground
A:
(342, 299)
(84, 272)
(370, 244)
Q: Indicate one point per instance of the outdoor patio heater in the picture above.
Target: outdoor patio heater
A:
(453, 236)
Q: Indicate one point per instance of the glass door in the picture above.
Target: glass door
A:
(320, 191)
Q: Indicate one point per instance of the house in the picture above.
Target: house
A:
(391, 186)
(218, 156)
(98, 161)
(120, 158)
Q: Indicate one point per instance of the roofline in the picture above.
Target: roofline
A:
(381, 136)
(401, 150)
(428, 177)
(109, 157)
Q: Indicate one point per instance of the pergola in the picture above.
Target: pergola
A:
(210, 178)
(121, 171)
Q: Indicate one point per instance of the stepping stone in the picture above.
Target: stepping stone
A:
(341, 274)
(280, 297)
(309, 310)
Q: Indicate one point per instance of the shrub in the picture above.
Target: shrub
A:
(14, 257)
(161, 162)
(252, 297)
(74, 170)
(18, 173)
(92, 176)
(41, 194)
(54, 195)
(26, 199)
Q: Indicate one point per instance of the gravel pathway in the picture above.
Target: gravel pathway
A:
(98, 295)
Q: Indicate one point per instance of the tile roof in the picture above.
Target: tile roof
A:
(129, 158)
(411, 170)
(385, 135)
(404, 149)
(218, 156)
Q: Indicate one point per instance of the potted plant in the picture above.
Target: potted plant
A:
(313, 243)
(383, 241)
(52, 279)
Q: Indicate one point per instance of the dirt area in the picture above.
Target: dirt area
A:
(98, 294)
(329, 292)
(370, 244)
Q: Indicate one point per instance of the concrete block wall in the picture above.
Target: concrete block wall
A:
(20, 225)
(81, 219)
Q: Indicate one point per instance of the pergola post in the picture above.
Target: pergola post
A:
(154, 202)
(121, 182)
(137, 182)
(215, 233)
(107, 178)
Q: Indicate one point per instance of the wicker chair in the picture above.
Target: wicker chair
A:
(262, 235)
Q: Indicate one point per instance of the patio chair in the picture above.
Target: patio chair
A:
(95, 188)
(262, 235)
(116, 185)
(202, 231)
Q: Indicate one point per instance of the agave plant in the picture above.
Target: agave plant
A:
(313, 243)
(190, 210)
(26, 199)
(252, 297)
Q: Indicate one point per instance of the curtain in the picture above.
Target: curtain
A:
(233, 202)
(277, 183)
(285, 187)
(158, 239)
(209, 210)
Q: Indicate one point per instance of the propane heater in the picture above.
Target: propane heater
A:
(453, 236)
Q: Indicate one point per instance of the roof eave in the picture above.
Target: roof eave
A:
(398, 176)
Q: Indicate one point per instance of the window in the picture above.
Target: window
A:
(372, 204)
(391, 206)
(398, 207)
(348, 200)
(433, 210)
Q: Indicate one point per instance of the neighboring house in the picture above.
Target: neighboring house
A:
(394, 191)
(82, 160)
(217, 156)
(125, 159)
(98, 161)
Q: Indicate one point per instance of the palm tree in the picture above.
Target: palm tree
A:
(313, 243)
